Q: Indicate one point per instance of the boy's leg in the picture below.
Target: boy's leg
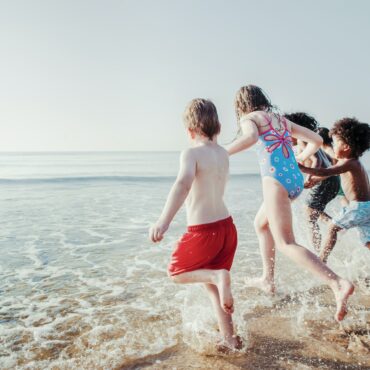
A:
(313, 216)
(330, 241)
(267, 249)
(219, 278)
(225, 321)
(278, 209)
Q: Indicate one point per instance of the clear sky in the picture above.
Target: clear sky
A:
(116, 75)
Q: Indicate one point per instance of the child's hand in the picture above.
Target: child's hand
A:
(311, 181)
(299, 159)
(301, 167)
(157, 231)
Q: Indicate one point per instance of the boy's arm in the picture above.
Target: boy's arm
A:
(177, 195)
(330, 171)
(313, 140)
(312, 180)
(248, 138)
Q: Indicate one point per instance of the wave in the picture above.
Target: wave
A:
(102, 178)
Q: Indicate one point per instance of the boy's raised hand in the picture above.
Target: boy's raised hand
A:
(157, 231)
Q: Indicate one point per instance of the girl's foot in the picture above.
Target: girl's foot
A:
(223, 283)
(342, 290)
(263, 284)
(228, 346)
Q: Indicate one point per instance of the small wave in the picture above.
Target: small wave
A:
(71, 179)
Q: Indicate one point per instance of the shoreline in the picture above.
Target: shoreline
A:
(274, 343)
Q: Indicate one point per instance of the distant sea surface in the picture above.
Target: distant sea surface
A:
(81, 287)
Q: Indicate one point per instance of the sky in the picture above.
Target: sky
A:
(87, 75)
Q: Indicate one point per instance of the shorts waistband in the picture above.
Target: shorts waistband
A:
(212, 225)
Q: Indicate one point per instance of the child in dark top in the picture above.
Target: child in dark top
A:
(327, 147)
(325, 190)
(351, 139)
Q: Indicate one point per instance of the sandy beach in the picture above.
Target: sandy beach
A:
(273, 342)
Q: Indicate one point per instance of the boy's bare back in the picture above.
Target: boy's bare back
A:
(204, 203)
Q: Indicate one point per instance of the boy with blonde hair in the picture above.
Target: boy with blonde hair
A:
(205, 253)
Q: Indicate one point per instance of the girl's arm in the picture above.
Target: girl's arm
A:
(248, 138)
(313, 140)
(177, 195)
(330, 171)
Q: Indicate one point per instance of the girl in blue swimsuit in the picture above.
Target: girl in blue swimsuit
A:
(276, 157)
(282, 181)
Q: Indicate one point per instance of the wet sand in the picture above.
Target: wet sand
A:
(273, 342)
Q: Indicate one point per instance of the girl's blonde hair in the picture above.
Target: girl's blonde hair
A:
(200, 116)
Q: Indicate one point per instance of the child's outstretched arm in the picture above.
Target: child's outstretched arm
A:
(313, 140)
(248, 138)
(177, 195)
(330, 171)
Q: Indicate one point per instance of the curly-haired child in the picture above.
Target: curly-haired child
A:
(351, 139)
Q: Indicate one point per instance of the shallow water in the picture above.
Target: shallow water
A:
(82, 288)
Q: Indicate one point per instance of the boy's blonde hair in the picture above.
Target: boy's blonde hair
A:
(200, 116)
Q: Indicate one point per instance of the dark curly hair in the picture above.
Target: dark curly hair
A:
(303, 119)
(324, 133)
(354, 133)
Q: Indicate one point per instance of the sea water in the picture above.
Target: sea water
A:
(81, 286)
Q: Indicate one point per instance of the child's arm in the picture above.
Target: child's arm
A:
(177, 195)
(330, 171)
(248, 138)
(313, 140)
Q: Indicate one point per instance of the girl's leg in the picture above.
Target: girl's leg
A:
(267, 249)
(225, 321)
(219, 278)
(279, 214)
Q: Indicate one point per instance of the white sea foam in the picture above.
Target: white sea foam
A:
(82, 287)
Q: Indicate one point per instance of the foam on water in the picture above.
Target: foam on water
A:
(82, 287)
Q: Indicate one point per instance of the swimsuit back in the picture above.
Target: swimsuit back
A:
(276, 157)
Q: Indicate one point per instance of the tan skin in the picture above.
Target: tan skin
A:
(200, 184)
(313, 214)
(273, 221)
(355, 184)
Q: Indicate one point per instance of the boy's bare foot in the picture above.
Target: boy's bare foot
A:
(342, 291)
(224, 288)
(228, 346)
(263, 284)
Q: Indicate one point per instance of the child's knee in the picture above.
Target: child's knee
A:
(259, 225)
(285, 245)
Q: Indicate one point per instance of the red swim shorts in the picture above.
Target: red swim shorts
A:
(208, 246)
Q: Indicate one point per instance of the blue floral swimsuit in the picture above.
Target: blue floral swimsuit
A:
(276, 158)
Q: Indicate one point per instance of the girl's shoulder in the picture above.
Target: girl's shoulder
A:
(260, 118)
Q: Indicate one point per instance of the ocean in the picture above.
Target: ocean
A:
(81, 286)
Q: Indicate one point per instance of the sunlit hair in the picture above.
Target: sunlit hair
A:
(251, 98)
(354, 133)
(201, 117)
